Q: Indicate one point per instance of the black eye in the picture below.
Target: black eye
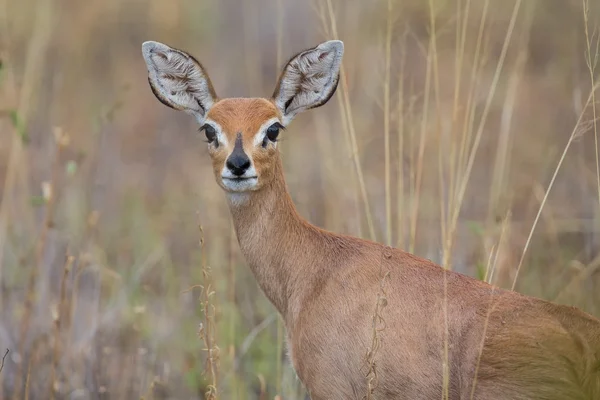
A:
(272, 133)
(209, 131)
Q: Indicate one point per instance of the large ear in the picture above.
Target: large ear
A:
(309, 79)
(178, 80)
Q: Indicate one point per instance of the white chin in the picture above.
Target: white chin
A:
(239, 185)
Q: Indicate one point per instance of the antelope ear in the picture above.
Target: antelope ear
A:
(178, 80)
(309, 79)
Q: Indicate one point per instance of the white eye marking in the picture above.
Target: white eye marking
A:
(221, 137)
(262, 131)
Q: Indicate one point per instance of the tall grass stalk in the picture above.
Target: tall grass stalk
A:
(320, 9)
(401, 229)
(62, 141)
(433, 65)
(461, 38)
(467, 128)
(592, 62)
(464, 177)
(60, 317)
(386, 123)
(208, 332)
(347, 113)
(232, 302)
(207, 328)
(489, 277)
(416, 194)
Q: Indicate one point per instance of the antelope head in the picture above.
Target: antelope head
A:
(242, 133)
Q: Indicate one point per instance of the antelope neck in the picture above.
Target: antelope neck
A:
(275, 241)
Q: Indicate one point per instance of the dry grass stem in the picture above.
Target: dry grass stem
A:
(3, 358)
(386, 124)
(592, 62)
(62, 142)
(347, 112)
(59, 320)
(206, 330)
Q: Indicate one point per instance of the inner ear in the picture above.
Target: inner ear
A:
(309, 79)
(178, 80)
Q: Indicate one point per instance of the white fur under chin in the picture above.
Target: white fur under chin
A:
(240, 185)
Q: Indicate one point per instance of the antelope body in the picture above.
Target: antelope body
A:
(498, 344)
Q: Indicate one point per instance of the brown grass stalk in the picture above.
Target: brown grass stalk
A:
(433, 69)
(415, 198)
(347, 114)
(503, 154)
(386, 123)
(35, 356)
(475, 146)
(62, 142)
(401, 131)
(458, 161)
(207, 330)
(592, 62)
(320, 9)
(461, 39)
(59, 320)
(489, 275)
(232, 302)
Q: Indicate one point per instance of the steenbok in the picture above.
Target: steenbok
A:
(446, 335)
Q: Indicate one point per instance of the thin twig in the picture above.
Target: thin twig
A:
(592, 69)
(3, 357)
(59, 320)
(386, 124)
(206, 331)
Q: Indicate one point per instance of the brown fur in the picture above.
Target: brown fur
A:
(325, 286)
(245, 116)
(242, 115)
(501, 344)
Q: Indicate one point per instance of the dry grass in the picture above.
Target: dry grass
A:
(464, 131)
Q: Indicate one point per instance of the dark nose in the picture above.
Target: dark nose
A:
(238, 164)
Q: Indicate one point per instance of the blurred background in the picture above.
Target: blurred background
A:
(462, 130)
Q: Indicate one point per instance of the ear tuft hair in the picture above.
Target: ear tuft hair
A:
(178, 80)
(309, 79)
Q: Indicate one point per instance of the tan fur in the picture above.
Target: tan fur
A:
(325, 286)
(501, 344)
(242, 115)
(245, 116)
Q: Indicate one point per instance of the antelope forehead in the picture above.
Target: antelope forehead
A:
(246, 115)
